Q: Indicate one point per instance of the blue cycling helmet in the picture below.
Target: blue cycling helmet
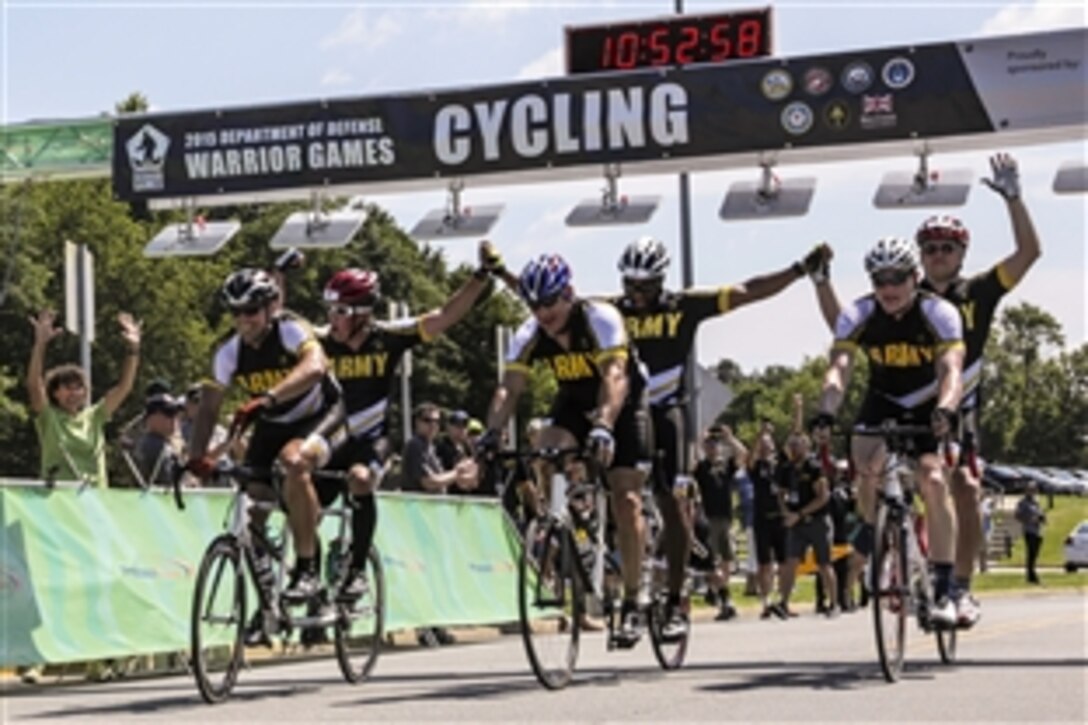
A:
(544, 278)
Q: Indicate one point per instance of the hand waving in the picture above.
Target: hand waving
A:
(130, 330)
(1006, 177)
(43, 325)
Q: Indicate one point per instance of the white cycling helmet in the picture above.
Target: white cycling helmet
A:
(892, 253)
(644, 258)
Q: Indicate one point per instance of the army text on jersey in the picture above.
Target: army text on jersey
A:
(366, 375)
(258, 369)
(596, 334)
(664, 334)
(902, 352)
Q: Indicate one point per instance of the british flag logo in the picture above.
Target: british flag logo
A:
(877, 104)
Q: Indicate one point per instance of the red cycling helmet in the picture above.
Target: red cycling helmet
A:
(942, 227)
(353, 286)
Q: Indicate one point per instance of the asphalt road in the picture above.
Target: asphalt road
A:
(1026, 661)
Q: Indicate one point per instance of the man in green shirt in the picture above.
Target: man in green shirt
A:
(71, 432)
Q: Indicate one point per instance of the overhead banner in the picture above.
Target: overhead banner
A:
(1009, 85)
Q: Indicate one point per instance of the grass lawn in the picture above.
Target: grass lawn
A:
(1068, 511)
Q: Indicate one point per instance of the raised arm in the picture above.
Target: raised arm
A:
(1006, 182)
(44, 331)
(836, 380)
(130, 332)
(768, 285)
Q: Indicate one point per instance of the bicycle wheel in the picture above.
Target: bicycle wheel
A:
(360, 625)
(218, 619)
(669, 652)
(889, 594)
(946, 645)
(550, 601)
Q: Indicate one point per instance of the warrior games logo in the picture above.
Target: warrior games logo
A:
(147, 156)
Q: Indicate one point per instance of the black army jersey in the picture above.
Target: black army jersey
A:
(977, 299)
(366, 375)
(902, 352)
(258, 369)
(797, 481)
(664, 334)
(596, 334)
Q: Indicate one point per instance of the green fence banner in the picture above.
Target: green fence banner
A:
(89, 573)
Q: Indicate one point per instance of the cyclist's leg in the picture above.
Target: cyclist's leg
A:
(940, 528)
(868, 455)
(565, 432)
(307, 450)
(671, 485)
(630, 466)
(966, 494)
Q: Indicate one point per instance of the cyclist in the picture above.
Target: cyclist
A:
(274, 357)
(599, 404)
(364, 354)
(913, 341)
(662, 325)
(943, 241)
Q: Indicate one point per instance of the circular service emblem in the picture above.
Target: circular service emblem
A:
(797, 118)
(818, 81)
(837, 115)
(857, 77)
(898, 73)
(776, 84)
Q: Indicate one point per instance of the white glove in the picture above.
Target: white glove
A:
(1006, 177)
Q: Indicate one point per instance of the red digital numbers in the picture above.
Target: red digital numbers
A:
(660, 50)
(675, 41)
(721, 41)
(749, 38)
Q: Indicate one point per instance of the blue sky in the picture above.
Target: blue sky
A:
(76, 59)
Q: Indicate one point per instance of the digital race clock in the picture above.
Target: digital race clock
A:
(669, 41)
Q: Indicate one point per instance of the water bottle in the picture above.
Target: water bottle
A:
(334, 561)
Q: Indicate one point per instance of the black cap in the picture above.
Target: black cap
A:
(458, 418)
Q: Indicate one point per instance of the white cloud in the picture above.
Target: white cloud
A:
(1039, 15)
(336, 77)
(548, 65)
(361, 30)
(477, 13)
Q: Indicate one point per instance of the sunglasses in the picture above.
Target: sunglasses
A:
(641, 285)
(932, 248)
(245, 311)
(347, 310)
(545, 303)
(890, 278)
(430, 420)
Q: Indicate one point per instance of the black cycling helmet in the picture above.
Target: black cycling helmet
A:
(249, 287)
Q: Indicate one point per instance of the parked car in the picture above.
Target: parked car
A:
(1003, 478)
(1067, 481)
(1076, 547)
(1045, 482)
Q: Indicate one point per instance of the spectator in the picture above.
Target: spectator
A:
(715, 475)
(72, 434)
(1031, 517)
(454, 446)
(770, 536)
(843, 518)
(805, 493)
(745, 496)
(423, 472)
(475, 429)
(157, 450)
